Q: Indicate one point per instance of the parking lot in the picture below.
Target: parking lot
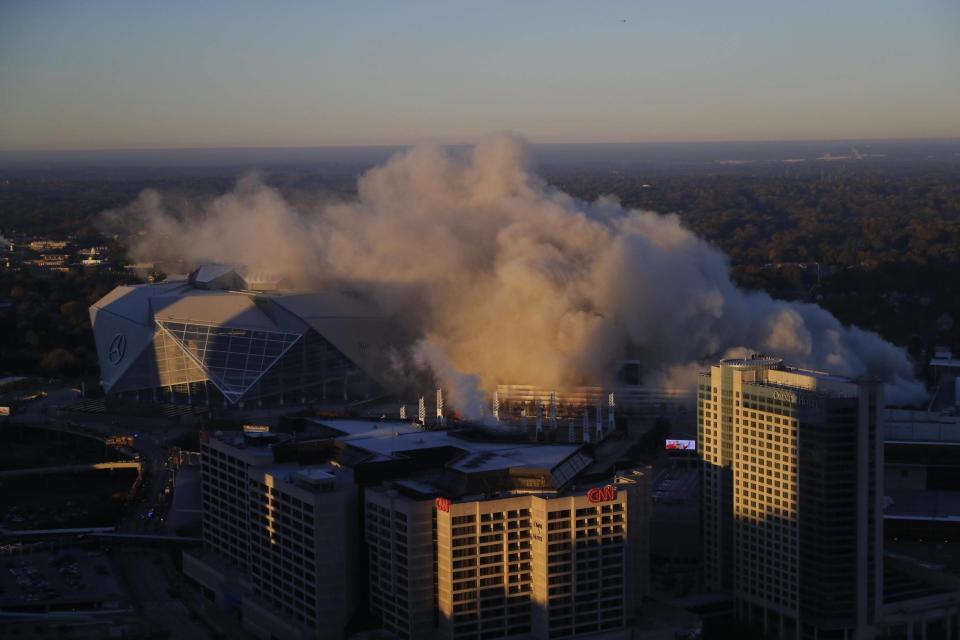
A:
(59, 579)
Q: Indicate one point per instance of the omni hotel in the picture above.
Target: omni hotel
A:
(334, 527)
(551, 566)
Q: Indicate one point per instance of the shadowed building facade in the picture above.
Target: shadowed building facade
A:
(792, 469)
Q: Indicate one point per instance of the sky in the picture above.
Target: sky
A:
(102, 74)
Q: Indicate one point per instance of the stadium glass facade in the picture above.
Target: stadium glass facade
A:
(230, 370)
(233, 358)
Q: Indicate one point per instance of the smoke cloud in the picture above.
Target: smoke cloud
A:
(501, 278)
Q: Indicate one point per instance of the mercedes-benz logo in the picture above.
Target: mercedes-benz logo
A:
(118, 348)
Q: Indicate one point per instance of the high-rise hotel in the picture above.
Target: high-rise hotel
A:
(518, 564)
(792, 469)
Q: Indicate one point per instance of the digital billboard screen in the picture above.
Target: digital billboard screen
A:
(681, 445)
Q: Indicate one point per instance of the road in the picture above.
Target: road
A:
(166, 587)
(147, 571)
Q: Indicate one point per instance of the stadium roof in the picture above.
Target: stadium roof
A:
(127, 320)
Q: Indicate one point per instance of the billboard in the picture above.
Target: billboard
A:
(256, 428)
(681, 445)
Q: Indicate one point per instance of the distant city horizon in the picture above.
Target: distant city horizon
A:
(472, 142)
(704, 152)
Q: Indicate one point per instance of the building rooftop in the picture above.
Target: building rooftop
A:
(252, 441)
(315, 474)
(307, 477)
(387, 439)
(766, 362)
(448, 460)
(348, 430)
(766, 371)
(752, 363)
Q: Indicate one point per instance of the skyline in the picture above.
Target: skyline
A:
(109, 75)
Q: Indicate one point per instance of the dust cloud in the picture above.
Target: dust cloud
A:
(501, 278)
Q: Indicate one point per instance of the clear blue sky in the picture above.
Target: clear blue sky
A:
(205, 73)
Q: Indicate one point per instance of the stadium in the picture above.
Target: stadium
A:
(225, 337)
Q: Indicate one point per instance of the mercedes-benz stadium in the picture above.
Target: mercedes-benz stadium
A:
(223, 337)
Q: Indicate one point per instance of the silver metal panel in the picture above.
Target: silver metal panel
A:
(225, 308)
(119, 341)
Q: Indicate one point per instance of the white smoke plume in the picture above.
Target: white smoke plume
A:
(503, 279)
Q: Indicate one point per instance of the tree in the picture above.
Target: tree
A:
(59, 362)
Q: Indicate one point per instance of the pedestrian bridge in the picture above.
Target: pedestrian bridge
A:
(69, 468)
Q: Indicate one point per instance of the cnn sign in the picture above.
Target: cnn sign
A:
(442, 504)
(602, 494)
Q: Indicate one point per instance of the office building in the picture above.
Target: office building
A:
(268, 527)
(792, 490)
(438, 533)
